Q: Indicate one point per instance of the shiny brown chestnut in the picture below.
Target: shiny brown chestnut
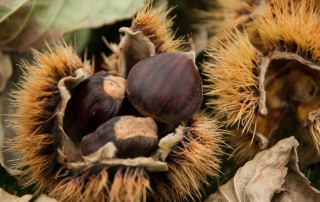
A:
(121, 137)
(166, 87)
(97, 99)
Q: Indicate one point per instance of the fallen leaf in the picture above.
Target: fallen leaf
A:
(79, 38)
(5, 74)
(158, 3)
(5, 70)
(273, 175)
(6, 133)
(8, 7)
(29, 23)
(309, 155)
(6, 197)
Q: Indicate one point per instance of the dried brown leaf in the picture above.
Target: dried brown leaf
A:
(6, 197)
(273, 175)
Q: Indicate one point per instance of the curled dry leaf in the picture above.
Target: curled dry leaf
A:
(29, 23)
(6, 197)
(273, 175)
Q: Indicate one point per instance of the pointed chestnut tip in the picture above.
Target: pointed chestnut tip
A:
(190, 40)
(192, 53)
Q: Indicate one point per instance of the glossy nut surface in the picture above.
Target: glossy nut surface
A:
(122, 137)
(166, 87)
(97, 99)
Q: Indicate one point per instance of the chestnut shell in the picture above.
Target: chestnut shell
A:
(132, 136)
(92, 106)
(166, 87)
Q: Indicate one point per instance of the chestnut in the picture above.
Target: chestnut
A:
(121, 137)
(97, 99)
(166, 87)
